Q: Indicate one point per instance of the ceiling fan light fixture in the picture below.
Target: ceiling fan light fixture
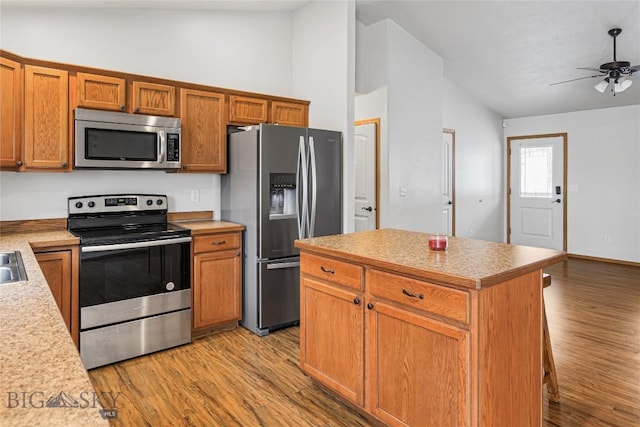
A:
(602, 85)
(622, 85)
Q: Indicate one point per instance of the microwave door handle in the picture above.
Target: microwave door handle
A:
(162, 142)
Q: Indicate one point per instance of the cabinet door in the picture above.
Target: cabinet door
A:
(217, 288)
(249, 111)
(427, 360)
(289, 114)
(46, 118)
(56, 268)
(332, 338)
(11, 118)
(154, 99)
(204, 131)
(101, 92)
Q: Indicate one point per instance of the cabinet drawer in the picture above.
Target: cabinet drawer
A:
(436, 299)
(216, 242)
(342, 273)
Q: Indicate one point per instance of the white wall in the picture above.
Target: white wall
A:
(479, 170)
(603, 176)
(246, 51)
(412, 74)
(324, 72)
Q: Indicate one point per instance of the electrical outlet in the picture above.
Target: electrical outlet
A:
(195, 195)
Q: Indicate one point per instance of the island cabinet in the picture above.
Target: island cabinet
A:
(204, 131)
(47, 126)
(217, 280)
(59, 266)
(415, 337)
(11, 118)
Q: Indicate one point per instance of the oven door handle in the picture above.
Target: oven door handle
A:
(101, 248)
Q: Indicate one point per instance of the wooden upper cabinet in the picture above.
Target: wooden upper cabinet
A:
(244, 110)
(153, 98)
(289, 114)
(101, 92)
(11, 116)
(46, 119)
(204, 131)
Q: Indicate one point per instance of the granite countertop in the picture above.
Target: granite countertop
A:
(38, 359)
(208, 226)
(467, 262)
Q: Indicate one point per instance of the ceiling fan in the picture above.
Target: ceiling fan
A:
(616, 73)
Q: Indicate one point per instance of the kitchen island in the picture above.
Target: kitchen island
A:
(418, 337)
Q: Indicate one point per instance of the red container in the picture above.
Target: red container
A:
(438, 242)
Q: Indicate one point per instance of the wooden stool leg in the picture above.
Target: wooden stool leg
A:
(550, 378)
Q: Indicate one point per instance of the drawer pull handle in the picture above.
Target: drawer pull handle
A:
(327, 270)
(221, 242)
(409, 294)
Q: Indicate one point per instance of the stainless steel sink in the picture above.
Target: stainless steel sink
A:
(11, 267)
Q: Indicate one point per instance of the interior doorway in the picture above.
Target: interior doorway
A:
(537, 192)
(367, 174)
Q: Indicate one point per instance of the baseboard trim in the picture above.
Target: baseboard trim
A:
(608, 260)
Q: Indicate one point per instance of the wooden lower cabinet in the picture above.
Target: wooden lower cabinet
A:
(332, 337)
(60, 269)
(217, 280)
(413, 353)
(424, 359)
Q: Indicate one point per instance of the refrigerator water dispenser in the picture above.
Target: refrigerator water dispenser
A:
(283, 195)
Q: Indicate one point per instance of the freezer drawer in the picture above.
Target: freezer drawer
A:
(279, 293)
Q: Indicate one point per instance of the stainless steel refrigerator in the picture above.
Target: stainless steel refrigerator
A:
(284, 183)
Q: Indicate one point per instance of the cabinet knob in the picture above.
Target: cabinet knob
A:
(64, 164)
(19, 163)
(370, 306)
(238, 254)
(356, 301)
(137, 110)
(122, 107)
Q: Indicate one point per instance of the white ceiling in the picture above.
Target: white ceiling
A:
(505, 54)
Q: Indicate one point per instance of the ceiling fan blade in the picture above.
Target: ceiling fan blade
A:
(573, 80)
(597, 70)
(634, 71)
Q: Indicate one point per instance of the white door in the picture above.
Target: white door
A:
(447, 183)
(365, 174)
(537, 192)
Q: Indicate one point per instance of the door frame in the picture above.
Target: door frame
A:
(453, 178)
(376, 122)
(565, 150)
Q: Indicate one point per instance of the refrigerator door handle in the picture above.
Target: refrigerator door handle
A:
(301, 183)
(313, 186)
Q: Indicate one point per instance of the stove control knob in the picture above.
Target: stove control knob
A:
(91, 204)
(149, 202)
(78, 205)
(159, 202)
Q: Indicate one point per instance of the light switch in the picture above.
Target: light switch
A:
(403, 190)
(195, 195)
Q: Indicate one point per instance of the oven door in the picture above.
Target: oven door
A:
(134, 280)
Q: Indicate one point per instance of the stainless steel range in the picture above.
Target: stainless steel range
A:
(135, 292)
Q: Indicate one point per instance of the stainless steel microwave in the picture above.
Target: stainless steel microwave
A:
(111, 140)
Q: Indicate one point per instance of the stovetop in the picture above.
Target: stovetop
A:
(129, 234)
(121, 218)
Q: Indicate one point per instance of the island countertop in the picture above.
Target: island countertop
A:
(467, 263)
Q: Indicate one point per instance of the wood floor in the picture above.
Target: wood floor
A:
(238, 379)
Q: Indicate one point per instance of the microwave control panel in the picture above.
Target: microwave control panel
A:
(173, 147)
